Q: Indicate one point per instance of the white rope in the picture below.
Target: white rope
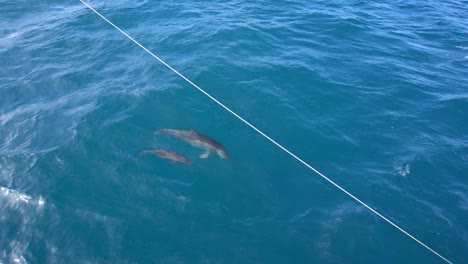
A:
(266, 136)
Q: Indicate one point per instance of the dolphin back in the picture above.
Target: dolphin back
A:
(196, 139)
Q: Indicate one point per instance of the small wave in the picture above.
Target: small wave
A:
(39, 127)
(181, 202)
(11, 35)
(462, 47)
(254, 220)
(176, 181)
(346, 209)
(275, 218)
(109, 227)
(119, 116)
(8, 41)
(436, 210)
(462, 198)
(13, 168)
(334, 220)
(300, 216)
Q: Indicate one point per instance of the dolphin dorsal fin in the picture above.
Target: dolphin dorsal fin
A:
(191, 130)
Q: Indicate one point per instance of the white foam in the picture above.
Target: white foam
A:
(15, 197)
(19, 260)
(402, 170)
(40, 201)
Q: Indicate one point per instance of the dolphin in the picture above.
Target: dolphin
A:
(209, 145)
(167, 154)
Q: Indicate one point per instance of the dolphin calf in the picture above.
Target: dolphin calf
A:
(209, 145)
(166, 154)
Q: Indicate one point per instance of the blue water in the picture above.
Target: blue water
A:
(374, 94)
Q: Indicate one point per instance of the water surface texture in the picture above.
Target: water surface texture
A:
(374, 94)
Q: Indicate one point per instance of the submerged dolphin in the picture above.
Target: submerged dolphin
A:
(167, 154)
(208, 144)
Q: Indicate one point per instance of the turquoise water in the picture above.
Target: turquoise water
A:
(372, 94)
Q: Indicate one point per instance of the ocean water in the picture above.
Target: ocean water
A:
(374, 94)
